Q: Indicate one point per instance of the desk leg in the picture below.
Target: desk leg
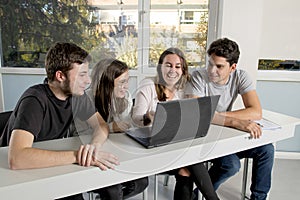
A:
(245, 174)
(200, 196)
(145, 194)
(155, 187)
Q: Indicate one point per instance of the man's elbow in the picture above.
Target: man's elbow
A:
(16, 160)
(14, 163)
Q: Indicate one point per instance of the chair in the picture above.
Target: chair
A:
(4, 116)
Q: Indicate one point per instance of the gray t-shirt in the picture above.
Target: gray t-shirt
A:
(239, 83)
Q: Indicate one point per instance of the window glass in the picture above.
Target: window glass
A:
(117, 22)
(104, 28)
(269, 64)
(182, 24)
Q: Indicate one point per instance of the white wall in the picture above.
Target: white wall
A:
(280, 29)
(262, 28)
(241, 21)
(267, 29)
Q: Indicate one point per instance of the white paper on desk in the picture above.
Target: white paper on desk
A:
(267, 124)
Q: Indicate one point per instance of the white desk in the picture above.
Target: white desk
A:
(136, 161)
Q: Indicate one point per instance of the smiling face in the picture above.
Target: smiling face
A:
(171, 69)
(219, 69)
(121, 85)
(77, 79)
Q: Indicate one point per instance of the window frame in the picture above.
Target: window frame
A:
(278, 75)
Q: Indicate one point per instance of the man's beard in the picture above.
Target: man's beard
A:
(66, 87)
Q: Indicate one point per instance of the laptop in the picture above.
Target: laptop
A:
(176, 121)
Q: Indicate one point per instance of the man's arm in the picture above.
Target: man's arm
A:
(252, 110)
(22, 155)
(242, 119)
(244, 125)
(91, 154)
(100, 129)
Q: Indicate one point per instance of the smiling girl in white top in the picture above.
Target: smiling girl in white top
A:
(169, 84)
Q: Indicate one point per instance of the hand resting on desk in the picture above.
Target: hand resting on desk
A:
(91, 155)
(241, 124)
(250, 127)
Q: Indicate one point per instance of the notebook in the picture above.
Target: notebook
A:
(176, 121)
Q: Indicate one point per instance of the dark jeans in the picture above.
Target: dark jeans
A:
(124, 190)
(263, 159)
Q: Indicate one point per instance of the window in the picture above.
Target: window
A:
(178, 23)
(278, 70)
(268, 64)
(134, 31)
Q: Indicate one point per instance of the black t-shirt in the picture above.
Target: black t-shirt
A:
(39, 112)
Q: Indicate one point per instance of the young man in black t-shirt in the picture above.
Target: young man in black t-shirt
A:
(45, 112)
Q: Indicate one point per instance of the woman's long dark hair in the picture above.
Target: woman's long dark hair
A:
(103, 75)
(160, 83)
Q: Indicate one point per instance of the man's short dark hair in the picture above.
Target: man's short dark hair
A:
(61, 56)
(226, 48)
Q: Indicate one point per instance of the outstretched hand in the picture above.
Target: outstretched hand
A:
(91, 155)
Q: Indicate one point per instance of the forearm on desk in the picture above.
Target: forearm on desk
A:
(30, 158)
(224, 120)
(244, 114)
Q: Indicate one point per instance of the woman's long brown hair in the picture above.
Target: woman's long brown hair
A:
(103, 75)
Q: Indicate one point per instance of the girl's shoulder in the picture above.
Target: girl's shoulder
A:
(146, 84)
(147, 81)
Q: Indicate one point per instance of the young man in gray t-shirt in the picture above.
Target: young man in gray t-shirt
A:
(222, 78)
